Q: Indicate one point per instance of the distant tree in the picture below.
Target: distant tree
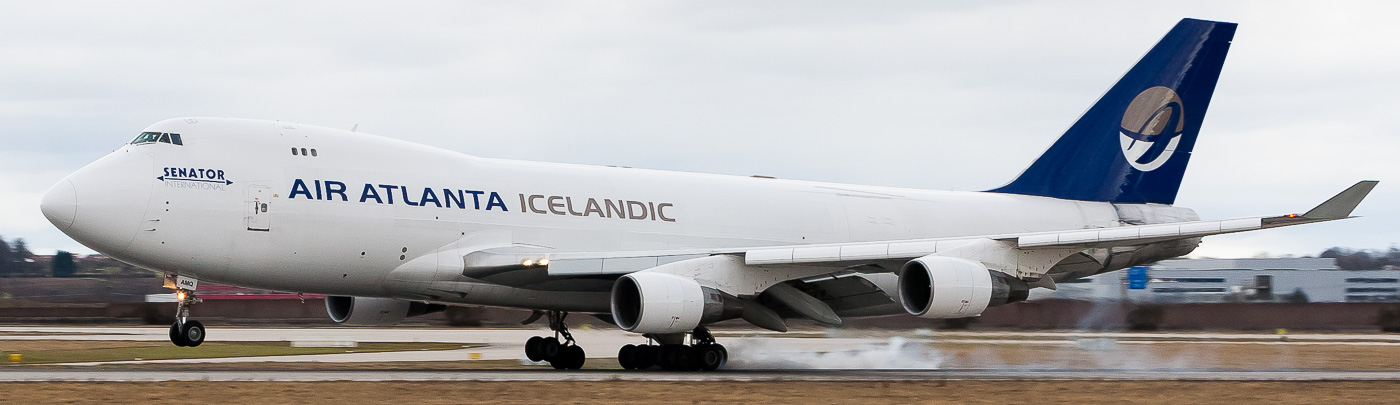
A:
(62, 265)
(1392, 257)
(1348, 259)
(21, 250)
(1355, 261)
(1297, 297)
(6, 258)
(19, 259)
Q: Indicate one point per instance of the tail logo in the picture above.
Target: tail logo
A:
(1152, 127)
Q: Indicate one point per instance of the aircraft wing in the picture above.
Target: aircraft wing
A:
(828, 281)
(1019, 248)
(1337, 207)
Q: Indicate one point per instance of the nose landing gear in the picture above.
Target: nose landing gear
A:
(563, 356)
(186, 332)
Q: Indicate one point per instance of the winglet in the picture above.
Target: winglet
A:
(1341, 205)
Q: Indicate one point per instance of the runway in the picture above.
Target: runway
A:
(816, 355)
(42, 375)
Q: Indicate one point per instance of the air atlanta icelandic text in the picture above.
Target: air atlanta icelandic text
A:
(331, 190)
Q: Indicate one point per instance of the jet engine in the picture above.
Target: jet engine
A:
(361, 311)
(649, 302)
(949, 287)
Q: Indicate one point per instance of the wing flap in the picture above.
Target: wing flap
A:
(1136, 235)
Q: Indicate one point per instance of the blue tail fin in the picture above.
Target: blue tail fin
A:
(1133, 144)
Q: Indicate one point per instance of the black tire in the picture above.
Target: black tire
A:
(193, 333)
(626, 357)
(663, 357)
(644, 357)
(684, 358)
(549, 349)
(710, 358)
(176, 337)
(573, 357)
(532, 348)
(677, 358)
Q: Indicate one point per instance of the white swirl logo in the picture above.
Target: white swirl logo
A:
(1152, 127)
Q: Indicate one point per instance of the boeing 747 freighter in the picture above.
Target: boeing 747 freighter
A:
(389, 229)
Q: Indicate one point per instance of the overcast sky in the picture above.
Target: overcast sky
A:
(955, 95)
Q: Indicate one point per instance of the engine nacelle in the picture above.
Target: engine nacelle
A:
(949, 287)
(649, 302)
(361, 311)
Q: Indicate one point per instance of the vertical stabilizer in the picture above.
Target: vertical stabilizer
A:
(1132, 146)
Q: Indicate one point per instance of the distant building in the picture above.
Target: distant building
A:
(1234, 280)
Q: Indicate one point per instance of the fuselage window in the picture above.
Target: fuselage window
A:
(294, 151)
(303, 151)
(313, 152)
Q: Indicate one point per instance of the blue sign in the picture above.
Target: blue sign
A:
(1137, 278)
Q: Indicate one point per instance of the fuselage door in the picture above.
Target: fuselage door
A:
(256, 207)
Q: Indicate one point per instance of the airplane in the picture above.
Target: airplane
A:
(388, 229)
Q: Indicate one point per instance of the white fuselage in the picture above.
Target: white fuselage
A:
(330, 227)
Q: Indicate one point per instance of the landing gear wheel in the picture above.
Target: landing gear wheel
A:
(570, 358)
(644, 357)
(574, 357)
(549, 348)
(192, 333)
(712, 356)
(678, 358)
(185, 332)
(561, 355)
(626, 357)
(532, 348)
(176, 337)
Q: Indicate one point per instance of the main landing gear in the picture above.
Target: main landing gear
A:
(186, 332)
(673, 354)
(563, 356)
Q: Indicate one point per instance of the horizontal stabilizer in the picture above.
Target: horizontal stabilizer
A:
(1341, 205)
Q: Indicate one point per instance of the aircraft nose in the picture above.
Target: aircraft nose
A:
(60, 204)
(115, 192)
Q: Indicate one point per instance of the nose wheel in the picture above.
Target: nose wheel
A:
(565, 355)
(186, 332)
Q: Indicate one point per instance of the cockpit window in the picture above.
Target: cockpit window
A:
(162, 137)
(146, 137)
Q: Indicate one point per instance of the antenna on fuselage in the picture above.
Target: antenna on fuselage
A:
(357, 126)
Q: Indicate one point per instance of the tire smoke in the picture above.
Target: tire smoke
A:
(893, 353)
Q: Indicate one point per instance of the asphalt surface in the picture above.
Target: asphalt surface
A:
(738, 375)
(835, 355)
